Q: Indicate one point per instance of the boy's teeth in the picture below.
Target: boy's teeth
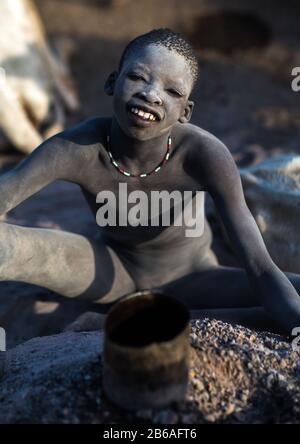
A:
(144, 115)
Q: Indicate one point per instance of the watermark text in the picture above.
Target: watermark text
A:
(295, 84)
(156, 208)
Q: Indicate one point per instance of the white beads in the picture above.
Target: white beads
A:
(125, 173)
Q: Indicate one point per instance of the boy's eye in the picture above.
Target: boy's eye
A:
(174, 92)
(134, 76)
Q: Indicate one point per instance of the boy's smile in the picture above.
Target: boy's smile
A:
(151, 92)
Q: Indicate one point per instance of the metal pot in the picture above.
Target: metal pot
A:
(146, 351)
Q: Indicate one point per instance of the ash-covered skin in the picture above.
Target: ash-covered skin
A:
(131, 258)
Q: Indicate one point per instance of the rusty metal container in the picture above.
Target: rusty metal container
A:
(146, 351)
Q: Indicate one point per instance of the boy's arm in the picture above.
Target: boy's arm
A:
(44, 165)
(220, 177)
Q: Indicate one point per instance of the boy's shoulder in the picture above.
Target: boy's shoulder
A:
(208, 157)
(199, 135)
(90, 132)
(79, 142)
(202, 143)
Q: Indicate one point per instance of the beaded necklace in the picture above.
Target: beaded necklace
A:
(126, 173)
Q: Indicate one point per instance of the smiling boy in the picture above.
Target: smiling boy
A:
(149, 145)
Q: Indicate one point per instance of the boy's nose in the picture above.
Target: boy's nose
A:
(151, 97)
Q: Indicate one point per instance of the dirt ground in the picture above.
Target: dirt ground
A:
(246, 52)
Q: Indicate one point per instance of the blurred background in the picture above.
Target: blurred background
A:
(56, 63)
(246, 52)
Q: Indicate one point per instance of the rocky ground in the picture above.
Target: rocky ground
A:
(236, 376)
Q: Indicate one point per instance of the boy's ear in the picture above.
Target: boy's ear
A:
(109, 85)
(187, 113)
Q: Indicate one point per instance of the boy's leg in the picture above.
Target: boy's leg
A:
(218, 287)
(69, 264)
(223, 293)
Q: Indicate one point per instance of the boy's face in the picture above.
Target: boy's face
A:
(154, 80)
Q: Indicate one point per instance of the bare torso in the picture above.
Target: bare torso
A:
(148, 252)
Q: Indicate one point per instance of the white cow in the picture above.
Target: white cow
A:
(272, 191)
(32, 79)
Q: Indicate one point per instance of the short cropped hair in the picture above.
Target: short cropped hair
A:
(169, 39)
